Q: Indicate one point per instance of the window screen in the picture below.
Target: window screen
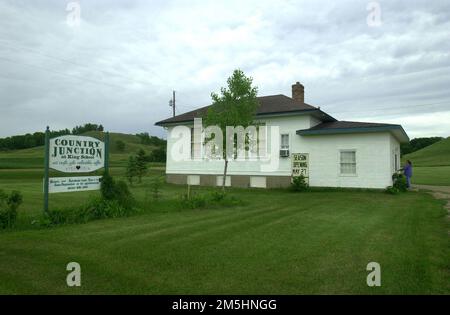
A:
(348, 162)
(285, 142)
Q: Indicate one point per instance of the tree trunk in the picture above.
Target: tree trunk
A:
(224, 175)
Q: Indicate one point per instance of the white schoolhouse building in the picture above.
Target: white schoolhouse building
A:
(328, 152)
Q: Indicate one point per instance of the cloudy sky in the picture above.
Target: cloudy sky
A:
(119, 64)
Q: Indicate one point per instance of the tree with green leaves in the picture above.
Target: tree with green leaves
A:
(235, 106)
(141, 164)
(132, 169)
(158, 155)
(418, 143)
(155, 187)
(120, 145)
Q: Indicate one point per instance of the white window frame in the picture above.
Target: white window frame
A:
(281, 142)
(397, 158)
(355, 163)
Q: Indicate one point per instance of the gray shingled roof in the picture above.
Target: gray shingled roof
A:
(348, 124)
(272, 104)
(354, 126)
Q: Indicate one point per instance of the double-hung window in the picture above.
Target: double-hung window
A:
(284, 145)
(348, 162)
(285, 141)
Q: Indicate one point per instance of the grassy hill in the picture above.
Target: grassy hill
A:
(34, 157)
(437, 154)
(431, 165)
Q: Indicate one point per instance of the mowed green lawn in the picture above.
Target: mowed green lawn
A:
(432, 175)
(277, 242)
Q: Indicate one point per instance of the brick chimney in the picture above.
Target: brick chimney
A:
(298, 92)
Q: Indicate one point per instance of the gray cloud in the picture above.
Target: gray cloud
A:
(120, 65)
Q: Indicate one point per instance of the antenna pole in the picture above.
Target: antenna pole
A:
(173, 103)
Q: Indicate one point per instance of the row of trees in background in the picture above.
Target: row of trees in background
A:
(417, 144)
(151, 140)
(31, 140)
(158, 154)
(78, 130)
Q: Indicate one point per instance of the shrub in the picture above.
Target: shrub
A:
(102, 209)
(155, 187)
(95, 209)
(107, 187)
(123, 195)
(141, 164)
(57, 217)
(392, 190)
(299, 184)
(399, 182)
(132, 169)
(193, 202)
(8, 208)
(112, 190)
(115, 201)
(217, 196)
(14, 200)
(211, 199)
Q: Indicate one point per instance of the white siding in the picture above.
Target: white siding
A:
(287, 125)
(373, 165)
(374, 157)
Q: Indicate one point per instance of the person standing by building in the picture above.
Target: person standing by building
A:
(407, 171)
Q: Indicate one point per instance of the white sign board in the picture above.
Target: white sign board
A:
(71, 184)
(300, 165)
(76, 154)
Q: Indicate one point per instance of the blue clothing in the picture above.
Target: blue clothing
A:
(408, 181)
(407, 170)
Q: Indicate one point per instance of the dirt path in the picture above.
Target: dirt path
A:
(438, 192)
(441, 189)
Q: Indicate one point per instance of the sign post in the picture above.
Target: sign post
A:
(73, 154)
(107, 153)
(46, 168)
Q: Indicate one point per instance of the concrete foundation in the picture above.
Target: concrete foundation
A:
(241, 181)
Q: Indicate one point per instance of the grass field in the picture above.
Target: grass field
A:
(278, 242)
(431, 165)
(433, 175)
(437, 154)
